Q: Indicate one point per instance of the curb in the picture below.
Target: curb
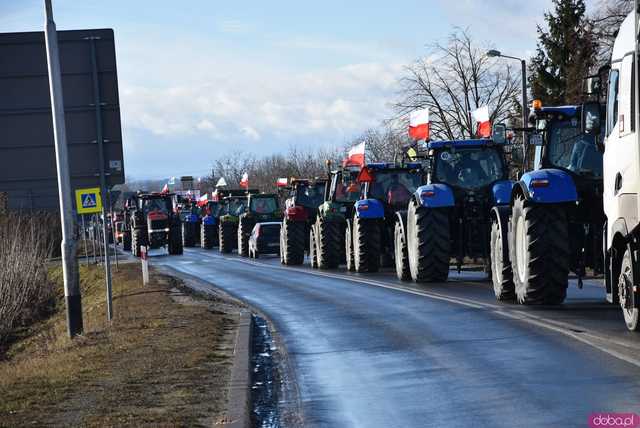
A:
(239, 407)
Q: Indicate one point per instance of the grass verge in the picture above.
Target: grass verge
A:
(164, 361)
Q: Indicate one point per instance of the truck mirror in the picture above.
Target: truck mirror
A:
(591, 118)
(499, 133)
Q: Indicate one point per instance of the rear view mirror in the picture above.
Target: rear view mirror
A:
(591, 118)
(499, 133)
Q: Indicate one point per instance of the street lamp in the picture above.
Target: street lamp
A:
(525, 112)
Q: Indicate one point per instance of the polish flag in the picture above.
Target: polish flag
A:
(165, 188)
(244, 181)
(282, 182)
(355, 157)
(202, 200)
(481, 116)
(419, 124)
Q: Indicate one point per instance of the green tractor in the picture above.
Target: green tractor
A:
(327, 234)
(259, 208)
(233, 203)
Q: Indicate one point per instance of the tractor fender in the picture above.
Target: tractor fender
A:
(547, 186)
(369, 208)
(436, 195)
(501, 214)
(209, 220)
(401, 217)
(501, 191)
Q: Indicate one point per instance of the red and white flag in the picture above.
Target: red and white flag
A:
(165, 188)
(202, 200)
(481, 116)
(355, 157)
(244, 181)
(419, 124)
(282, 182)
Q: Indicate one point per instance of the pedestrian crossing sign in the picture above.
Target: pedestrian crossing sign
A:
(88, 201)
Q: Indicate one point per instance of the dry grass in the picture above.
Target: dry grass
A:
(160, 363)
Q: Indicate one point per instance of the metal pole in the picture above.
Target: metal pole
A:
(103, 181)
(72, 295)
(525, 115)
(93, 239)
(115, 243)
(84, 240)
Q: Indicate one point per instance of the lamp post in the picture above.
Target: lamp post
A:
(525, 111)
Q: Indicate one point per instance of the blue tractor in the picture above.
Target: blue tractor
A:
(554, 220)
(210, 212)
(450, 216)
(369, 233)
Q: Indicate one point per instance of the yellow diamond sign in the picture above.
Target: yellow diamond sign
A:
(88, 201)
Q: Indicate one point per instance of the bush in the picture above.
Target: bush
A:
(26, 243)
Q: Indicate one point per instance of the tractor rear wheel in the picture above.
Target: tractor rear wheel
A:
(401, 253)
(348, 247)
(175, 244)
(292, 242)
(539, 253)
(366, 249)
(428, 243)
(329, 242)
(207, 236)
(313, 257)
(188, 234)
(628, 294)
(126, 240)
(243, 237)
(226, 236)
(501, 273)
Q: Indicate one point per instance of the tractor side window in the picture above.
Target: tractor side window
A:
(612, 101)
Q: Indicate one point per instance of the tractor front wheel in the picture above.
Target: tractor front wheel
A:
(292, 242)
(401, 253)
(366, 239)
(428, 243)
(226, 236)
(329, 240)
(207, 236)
(501, 273)
(539, 252)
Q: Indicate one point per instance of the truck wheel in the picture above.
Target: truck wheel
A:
(329, 243)
(539, 252)
(207, 236)
(628, 296)
(313, 257)
(428, 243)
(348, 247)
(401, 253)
(188, 235)
(226, 237)
(292, 243)
(243, 237)
(175, 244)
(501, 273)
(136, 241)
(366, 249)
(126, 240)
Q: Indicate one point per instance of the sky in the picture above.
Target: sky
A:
(202, 78)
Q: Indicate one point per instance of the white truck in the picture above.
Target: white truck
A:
(621, 172)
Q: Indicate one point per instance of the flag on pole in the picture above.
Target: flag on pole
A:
(419, 124)
(481, 116)
(202, 200)
(355, 157)
(165, 188)
(282, 182)
(221, 183)
(244, 181)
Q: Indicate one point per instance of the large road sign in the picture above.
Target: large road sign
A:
(88, 201)
(27, 156)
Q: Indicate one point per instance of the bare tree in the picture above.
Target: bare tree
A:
(454, 79)
(606, 19)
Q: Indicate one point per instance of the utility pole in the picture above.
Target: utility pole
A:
(69, 262)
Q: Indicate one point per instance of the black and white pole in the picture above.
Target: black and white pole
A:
(144, 259)
(69, 246)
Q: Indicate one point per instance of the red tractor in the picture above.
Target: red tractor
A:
(301, 209)
(155, 224)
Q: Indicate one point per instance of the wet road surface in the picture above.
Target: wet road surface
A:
(371, 351)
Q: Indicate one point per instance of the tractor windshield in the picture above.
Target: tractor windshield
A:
(345, 187)
(310, 196)
(394, 187)
(569, 148)
(263, 205)
(156, 204)
(235, 207)
(469, 168)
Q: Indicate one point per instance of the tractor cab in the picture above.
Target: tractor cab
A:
(391, 184)
(263, 206)
(306, 193)
(343, 187)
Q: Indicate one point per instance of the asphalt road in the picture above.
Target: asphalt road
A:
(371, 351)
